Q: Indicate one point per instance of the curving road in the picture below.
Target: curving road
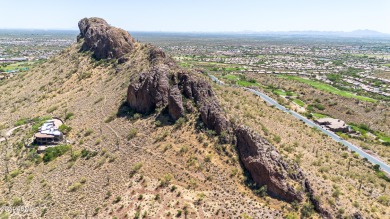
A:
(385, 167)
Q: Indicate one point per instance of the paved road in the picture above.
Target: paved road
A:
(385, 167)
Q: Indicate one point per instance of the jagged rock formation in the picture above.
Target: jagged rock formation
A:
(155, 89)
(175, 103)
(201, 92)
(103, 40)
(151, 90)
(266, 166)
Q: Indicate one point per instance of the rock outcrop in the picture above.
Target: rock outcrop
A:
(266, 165)
(150, 91)
(156, 89)
(175, 103)
(201, 92)
(325, 213)
(103, 40)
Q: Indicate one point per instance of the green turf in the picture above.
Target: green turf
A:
(319, 116)
(328, 88)
(22, 66)
(280, 92)
(299, 102)
(388, 65)
(247, 84)
(232, 77)
(385, 138)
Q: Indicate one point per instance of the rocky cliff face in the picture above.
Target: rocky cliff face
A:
(103, 40)
(266, 166)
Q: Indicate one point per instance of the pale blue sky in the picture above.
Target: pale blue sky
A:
(201, 15)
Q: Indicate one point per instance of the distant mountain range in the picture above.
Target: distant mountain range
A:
(356, 33)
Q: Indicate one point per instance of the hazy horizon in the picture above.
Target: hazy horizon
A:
(202, 16)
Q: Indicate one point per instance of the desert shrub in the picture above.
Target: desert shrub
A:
(307, 210)
(52, 109)
(98, 100)
(277, 139)
(117, 199)
(88, 132)
(65, 129)
(180, 122)
(69, 116)
(87, 154)
(135, 169)
(110, 118)
(16, 201)
(384, 200)
(76, 186)
(132, 134)
(84, 75)
(164, 182)
(14, 173)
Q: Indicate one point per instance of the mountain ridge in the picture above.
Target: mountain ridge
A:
(145, 133)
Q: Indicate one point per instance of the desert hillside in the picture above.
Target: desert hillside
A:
(149, 139)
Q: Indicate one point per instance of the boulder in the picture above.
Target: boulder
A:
(266, 165)
(103, 40)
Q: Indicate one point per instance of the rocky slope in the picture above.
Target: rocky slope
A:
(164, 85)
(132, 153)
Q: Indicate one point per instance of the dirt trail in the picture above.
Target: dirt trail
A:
(9, 133)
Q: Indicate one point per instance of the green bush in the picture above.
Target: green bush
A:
(88, 154)
(69, 116)
(21, 122)
(53, 152)
(65, 129)
(262, 191)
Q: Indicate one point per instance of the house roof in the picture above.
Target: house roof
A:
(333, 123)
(41, 135)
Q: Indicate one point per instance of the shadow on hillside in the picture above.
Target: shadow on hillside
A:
(161, 117)
(124, 111)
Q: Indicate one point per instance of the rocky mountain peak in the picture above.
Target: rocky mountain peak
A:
(104, 40)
